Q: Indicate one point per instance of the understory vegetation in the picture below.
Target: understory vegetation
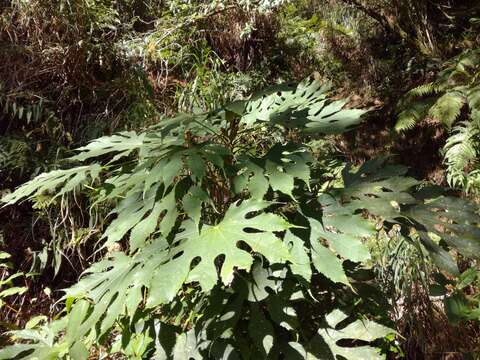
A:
(288, 179)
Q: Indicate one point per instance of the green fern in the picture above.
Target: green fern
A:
(14, 155)
(408, 118)
(461, 153)
(423, 90)
(456, 87)
(447, 108)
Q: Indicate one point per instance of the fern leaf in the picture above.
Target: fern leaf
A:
(461, 150)
(409, 117)
(422, 90)
(473, 182)
(470, 59)
(447, 108)
(473, 97)
(14, 154)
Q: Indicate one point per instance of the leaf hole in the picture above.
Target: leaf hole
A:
(244, 246)
(177, 255)
(195, 261)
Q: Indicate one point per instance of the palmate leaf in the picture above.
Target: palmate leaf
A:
(155, 142)
(278, 169)
(149, 202)
(115, 285)
(222, 239)
(339, 233)
(337, 236)
(216, 335)
(44, 346)
(452, 219)
(118, 146)
(269, 312)
(144, 207)
(159, 183)
(300, 263)
(305, 107)
(377, 187)
(146, 192)
(325, 344)
(261, 331)
(66, 180)
(380, 189)
(122, 144)
(342, 231)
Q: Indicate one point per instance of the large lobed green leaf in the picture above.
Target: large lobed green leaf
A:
(304, 107)
(116, 285)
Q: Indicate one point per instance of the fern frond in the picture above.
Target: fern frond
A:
(460, 151)
(447, 108)
(473, 182)
(469, 60)
(423, 90)
(473, 98)
(408, 118)
(14, 154)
